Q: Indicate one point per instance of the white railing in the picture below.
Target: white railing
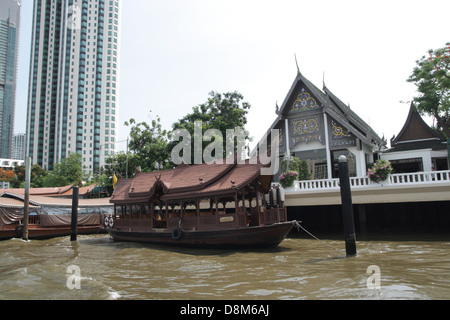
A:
(420, 177)
(415, 178)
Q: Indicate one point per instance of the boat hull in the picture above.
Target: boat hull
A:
(247, 237)
(41, 233)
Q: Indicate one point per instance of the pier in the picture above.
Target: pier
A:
(406, 201)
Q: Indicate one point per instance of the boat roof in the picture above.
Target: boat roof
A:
(8, 198)
(65, 191)
(190, 182)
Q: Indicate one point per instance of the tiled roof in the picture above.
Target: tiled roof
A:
(187, 181)
(8, 198)
(57, 191)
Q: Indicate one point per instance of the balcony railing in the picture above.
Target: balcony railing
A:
(397, 179)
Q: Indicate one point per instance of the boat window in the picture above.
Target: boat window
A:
(226, 205)
(145, 212)
(174, 210)
(207, 207)
(190, 209)
(221, 207)
(135, 209)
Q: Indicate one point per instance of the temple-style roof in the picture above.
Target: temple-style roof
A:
(330, 104)
(189, 182)
(416, 134)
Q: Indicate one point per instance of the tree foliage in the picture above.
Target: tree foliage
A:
(149, 144)
(432, 78)
(6, 175)
(36, 176)
(221, 111)
(66, 172)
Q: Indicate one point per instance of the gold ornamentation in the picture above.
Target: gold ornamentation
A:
(304, 102)
(338, 131)
(305, 126)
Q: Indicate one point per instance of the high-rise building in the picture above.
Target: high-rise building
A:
(9, 48)
(18, 146)
(73, 98)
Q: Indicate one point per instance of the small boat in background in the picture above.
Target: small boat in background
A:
(50, 216)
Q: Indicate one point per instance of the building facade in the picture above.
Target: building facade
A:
(19, 146)
(9, 49)
(73, 98)
(317, 127)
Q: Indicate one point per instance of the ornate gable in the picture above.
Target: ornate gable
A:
(303, 113)
(304, 102)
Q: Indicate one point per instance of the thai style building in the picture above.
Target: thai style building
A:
(417, 147)
(317, 127)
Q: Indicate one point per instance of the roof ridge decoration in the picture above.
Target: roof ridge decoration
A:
(296, 63)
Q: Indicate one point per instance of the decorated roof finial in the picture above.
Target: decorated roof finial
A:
(296, 62)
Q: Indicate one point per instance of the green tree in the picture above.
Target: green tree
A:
(66, 172)
(36, 176)
(221, 111)
(432, 78)
(149, 144)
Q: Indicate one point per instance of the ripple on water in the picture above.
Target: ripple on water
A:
(297, 269)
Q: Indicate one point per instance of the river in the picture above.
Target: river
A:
(95, 267)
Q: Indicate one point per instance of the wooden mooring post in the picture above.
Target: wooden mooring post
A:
(26, 201)
(347, 208)
(74, 218)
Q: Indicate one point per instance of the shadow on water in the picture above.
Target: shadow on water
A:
(223, 252)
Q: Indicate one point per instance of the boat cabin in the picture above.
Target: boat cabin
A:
(197, 197)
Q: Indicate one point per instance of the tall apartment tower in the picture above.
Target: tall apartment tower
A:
(18, 146)
(73, 98)
(9, 51)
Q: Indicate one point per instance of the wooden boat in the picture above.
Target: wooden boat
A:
(206, 205)
(37, 232)
(49, 216)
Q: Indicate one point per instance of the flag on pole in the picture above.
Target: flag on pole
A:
(114, 181)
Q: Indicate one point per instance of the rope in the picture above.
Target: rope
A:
(299, 226)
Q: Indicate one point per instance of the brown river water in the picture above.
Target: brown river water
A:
(95, 267)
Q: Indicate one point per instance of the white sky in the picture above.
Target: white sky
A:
(174, 52)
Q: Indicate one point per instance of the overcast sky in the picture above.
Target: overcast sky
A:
(174, 52)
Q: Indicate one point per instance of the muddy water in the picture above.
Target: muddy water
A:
(95, 267)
